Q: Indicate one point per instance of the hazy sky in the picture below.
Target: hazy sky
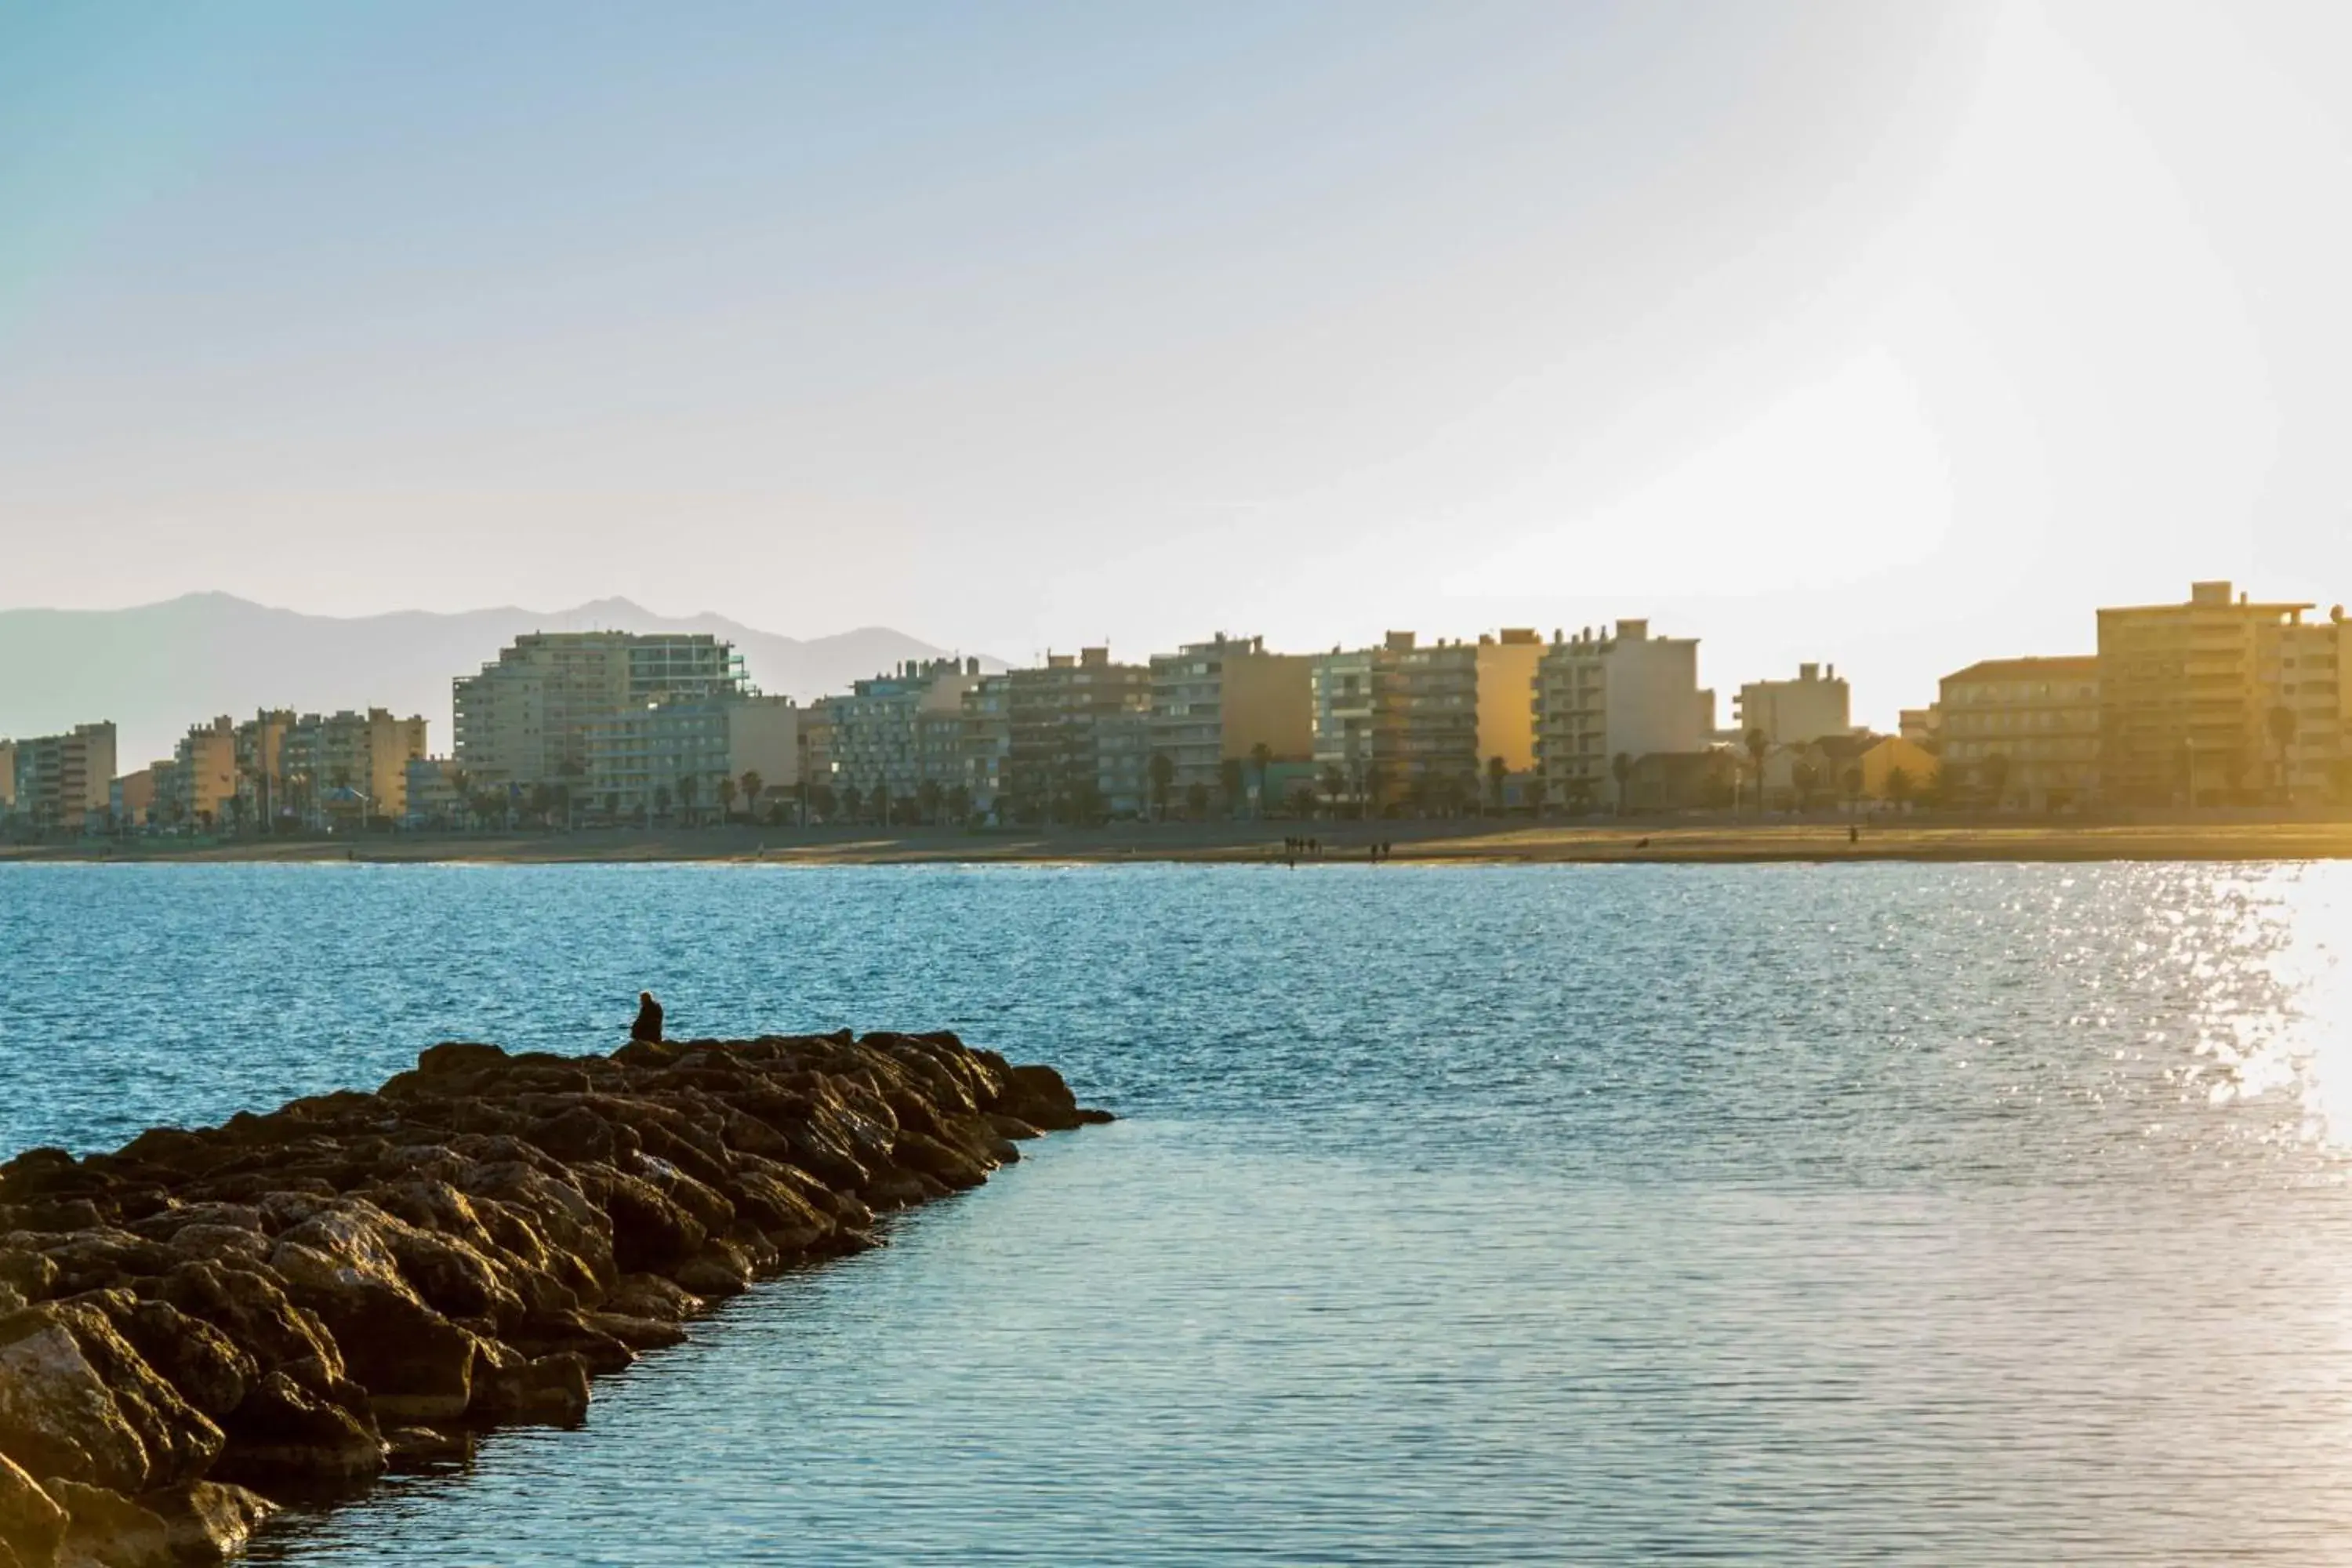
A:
(1890, 335)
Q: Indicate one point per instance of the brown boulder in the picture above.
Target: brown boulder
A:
(31, 1522)
(253, 1311)
(205, 1365)
(77, 1402)
(286, 1436)
(199, 1523)
(509, 1390)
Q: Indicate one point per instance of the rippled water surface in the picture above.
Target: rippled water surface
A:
(1942, 1215)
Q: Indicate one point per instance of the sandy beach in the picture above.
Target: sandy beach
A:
(1458, 842)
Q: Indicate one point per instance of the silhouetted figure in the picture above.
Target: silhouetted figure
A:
(649, 1019)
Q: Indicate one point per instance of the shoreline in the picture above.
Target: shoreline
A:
(1473, 842)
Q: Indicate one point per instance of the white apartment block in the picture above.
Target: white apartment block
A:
(528, 718)
(1795, 713)
(1598, 697)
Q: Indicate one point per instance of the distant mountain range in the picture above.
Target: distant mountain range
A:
(154, 670)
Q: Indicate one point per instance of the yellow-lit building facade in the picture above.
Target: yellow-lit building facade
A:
(2021, 734)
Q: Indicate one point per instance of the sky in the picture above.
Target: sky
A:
(1894, 337)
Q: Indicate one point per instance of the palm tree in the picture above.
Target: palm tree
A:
(726, 798)
(687, 786)
(1498, 773)
(960, 802)
(1757, 746)
(851, 798)
(753, 786)
(1261, 758)
(2283, 727)
(821, 796)
(1898, 784)
(1230, 782)
(1196, 801)
(882, 801)
(1335, 784)
(1376, 784)
(1620, 768)
(927, 795)
(1162, 768)
(661, 800)
(461, 785)
(1804, 778)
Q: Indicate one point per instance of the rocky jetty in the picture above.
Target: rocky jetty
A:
(206, 1323)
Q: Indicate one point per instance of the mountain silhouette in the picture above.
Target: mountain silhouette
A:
(155, 669)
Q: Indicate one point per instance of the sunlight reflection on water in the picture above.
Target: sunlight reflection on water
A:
(1946, 1214)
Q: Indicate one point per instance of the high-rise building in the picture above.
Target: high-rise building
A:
(2020, 731)
(1053, 767)
(892, 734)
(1217, 701)
(527, 719)
(200, 790)
(2217, 700)
(1600, 697)
(8, 779)
(1425, 723)
(986, 741)
(65, 782)
(1795, 713)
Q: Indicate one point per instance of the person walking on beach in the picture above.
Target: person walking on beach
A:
(649, 1025)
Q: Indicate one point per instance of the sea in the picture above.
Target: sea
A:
(1890, 1214)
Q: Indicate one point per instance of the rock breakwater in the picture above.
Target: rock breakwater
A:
(207, 1322)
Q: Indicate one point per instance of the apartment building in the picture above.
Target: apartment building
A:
(2309, 720)
(131, 798)
(65, 781)
(984, 741)
(1357, 712)
(898, 731)
(1217, 701)
(1122, 756)
(350, 766)
(527, 719)
(8, 779)
(2021, 732)
(1600, 697)
(813, 746)
(434, 796)
(687, 755)
(1794, 712)
(2187, 693)
(1402, 719)
(1053, 764)
(201, 787)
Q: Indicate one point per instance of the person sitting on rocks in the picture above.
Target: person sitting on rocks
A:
(649, 1025)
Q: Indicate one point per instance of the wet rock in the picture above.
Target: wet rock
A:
(547, 1391)
(413, 1450)
(285, 1437)
(201, 1522)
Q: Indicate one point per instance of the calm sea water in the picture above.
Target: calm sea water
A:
(1938, 1214)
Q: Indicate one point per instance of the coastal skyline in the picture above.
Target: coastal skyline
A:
(1311, 322)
